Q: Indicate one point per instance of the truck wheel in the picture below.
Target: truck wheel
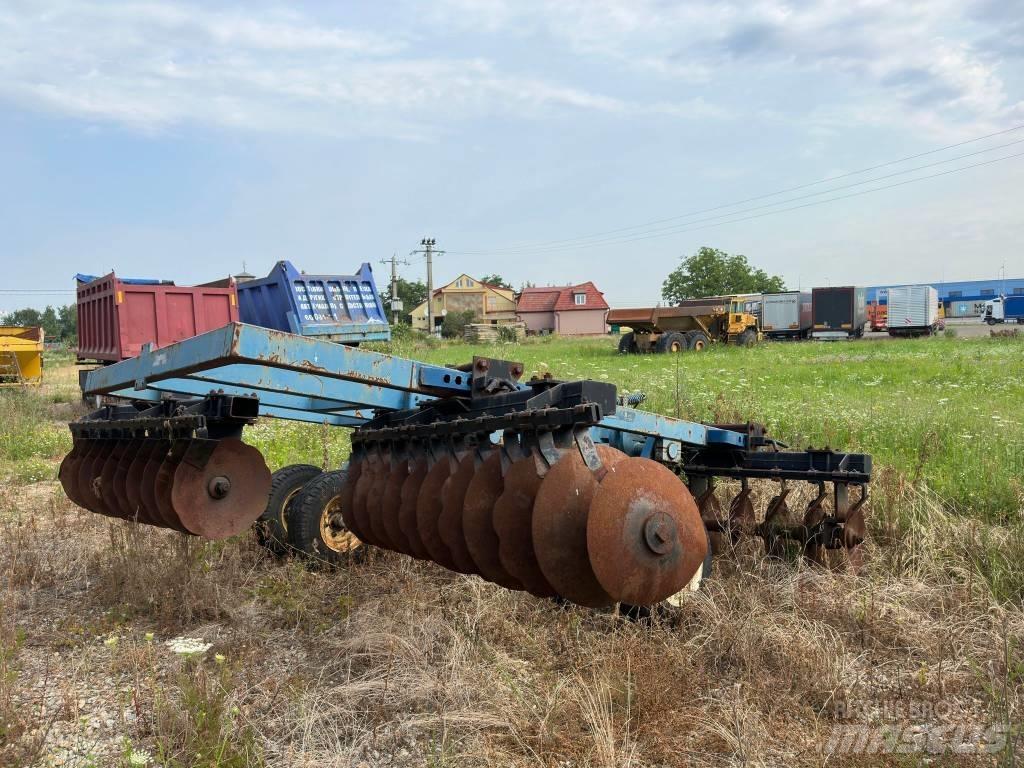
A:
(315, 525)
(748, 338)
(990, 320)
(285, 484)
(627, 344)
(672, 342)
(697, 341)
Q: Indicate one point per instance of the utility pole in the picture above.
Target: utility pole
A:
(427, 249)
(396, 303)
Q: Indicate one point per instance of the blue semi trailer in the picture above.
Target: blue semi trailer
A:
(1005, 309)
(341, 308)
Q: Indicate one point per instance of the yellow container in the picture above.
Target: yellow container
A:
(21, 355)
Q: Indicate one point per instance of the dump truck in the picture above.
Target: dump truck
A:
(21, 355)
(1005, 309)
(786, 315)
(838, 312)
(692, 326)
(340, 308)
(117, 316)
(913, 310)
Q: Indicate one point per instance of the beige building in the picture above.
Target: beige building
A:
(491, 303)
(569, 310)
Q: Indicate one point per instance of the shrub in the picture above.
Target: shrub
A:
(455, 323)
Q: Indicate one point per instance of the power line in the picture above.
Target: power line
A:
(543, 243)
(682, 228)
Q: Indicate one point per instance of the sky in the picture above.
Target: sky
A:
(549, 141)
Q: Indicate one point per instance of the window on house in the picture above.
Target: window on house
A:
(469, 283)
(988, 292)
(580, 298)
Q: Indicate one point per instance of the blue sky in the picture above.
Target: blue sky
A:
(177, 141)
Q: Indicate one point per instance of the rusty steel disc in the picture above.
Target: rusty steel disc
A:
(559, 527)
(478, 524)
(147, 486)
(83, 479)
(513, 512)
(362, 489)
(374, 499)
(407, 509)
(133, 479)
(88, 476)
(391, 505)
(225, 495)
(69, 469)
(428, 511)
(163, 487)
(118, 505)
(348, 491)
(120, 483)
(449, 522)
(645, 537)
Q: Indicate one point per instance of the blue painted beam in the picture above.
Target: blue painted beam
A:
(653, 425)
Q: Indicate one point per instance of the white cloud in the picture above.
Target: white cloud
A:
(154, 65)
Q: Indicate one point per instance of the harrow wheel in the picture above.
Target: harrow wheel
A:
(316, 521)
(450, 521)
(429, 504)
(485, 488)
(512, 521)
(285, 484)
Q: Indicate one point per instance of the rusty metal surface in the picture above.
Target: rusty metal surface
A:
(365, 481)
(645, 536)
(449, 522)
(68, 471)
(348, 490)
(374, 498)
(512, 516)
(120, 481)
(133, 478)
(407, 509)
(428, 510)
(88, 476)
(391, 505)
(163, 486)
(559, 527)
(226, 495)
(477, 522)
(147, 486)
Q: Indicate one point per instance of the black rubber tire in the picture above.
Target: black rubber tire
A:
(748, 338)
(306, 535)
(627, 344)
(285, 484)
(697, 341)
(672, 342)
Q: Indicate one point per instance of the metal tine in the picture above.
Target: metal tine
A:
(375, 495)
(391, 501)
(512, 517)
(741, 512)
(814, 550)
(777, 510)
(710, 509)
(854, 527)
(429, 503)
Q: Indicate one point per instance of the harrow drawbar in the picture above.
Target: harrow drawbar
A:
(554, 488)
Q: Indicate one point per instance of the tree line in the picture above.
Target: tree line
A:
(58, 323)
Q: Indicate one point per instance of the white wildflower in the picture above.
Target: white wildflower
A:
(188, 646)
(139, 757)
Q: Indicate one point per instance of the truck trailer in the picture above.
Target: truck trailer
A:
(693, 326)
(786, 315)
(1005, 309)
(838, 312)
(913, 310)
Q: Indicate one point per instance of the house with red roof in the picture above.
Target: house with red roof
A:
(569, 310)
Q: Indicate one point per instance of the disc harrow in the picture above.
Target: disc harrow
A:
(555, 488)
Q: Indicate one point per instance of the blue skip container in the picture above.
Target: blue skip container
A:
(342, 308)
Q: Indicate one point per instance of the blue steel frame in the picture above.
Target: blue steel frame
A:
(305, 379)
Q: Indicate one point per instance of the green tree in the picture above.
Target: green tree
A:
(712, 272)
(497, 280)
(412, 293)
(68, 316)
(455, 323)
(26, 316)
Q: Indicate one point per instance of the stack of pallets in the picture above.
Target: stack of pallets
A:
(484, 333)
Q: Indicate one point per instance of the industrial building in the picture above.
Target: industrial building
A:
(961, 299)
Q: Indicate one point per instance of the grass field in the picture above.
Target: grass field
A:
(393, 662)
